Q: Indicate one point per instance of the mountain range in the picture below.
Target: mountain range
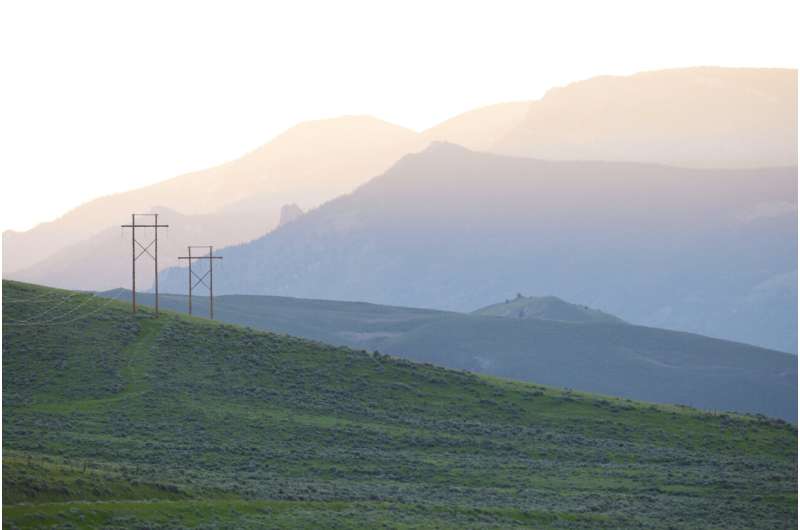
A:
(308, 165)
(699, 117)
(739, 119)
(708, 251)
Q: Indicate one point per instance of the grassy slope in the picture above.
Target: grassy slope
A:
(116, 421)
(634, 362)
(357, 324)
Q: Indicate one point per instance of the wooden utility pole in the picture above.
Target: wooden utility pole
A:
(145, 250)
(201, 279)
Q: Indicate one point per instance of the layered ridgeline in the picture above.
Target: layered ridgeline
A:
(566, 345)
(307, 165)
(707, 251)
(105, 258)
(115, 421)
(696, 117)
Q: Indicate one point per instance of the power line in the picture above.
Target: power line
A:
(201, 279)
(46, 296)
(145, 250)
(55, 306)
(37, 319)
(41, 299)
(58, 320)
(194, 278)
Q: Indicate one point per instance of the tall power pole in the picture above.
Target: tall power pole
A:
(201, 279)
(145, 250)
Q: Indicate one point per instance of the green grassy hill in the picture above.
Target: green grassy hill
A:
(116, 421)
(634, 362)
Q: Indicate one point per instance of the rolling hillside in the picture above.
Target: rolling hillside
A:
(707, 251)
(116, 421)
(597, 356)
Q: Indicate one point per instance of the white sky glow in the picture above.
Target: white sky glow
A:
(100, 97)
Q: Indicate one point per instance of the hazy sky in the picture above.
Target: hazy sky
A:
(99, 97)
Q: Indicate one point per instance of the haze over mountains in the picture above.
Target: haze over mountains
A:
(696, 117)
(308, 164)
(556, 343)
(664, 203)
(708, 251)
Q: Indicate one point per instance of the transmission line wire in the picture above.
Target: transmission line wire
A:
(59, 319)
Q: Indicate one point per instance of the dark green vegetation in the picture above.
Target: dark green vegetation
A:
(116, 421)
(621, 360)
(547, 308)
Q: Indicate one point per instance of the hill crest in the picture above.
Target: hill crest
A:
(547, 308)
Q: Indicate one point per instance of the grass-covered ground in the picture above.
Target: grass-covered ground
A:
(116, 421)
(634, 362)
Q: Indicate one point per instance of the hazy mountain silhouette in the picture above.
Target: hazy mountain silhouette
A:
(595, 354)
(546, 308)
(708, 251)
(696, 116)
(308, 165)
(289, 212)
(693, 117)
(480, 129)
(104, 260)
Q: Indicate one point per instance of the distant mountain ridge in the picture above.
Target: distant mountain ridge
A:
(704, 117)
(546, 308)
(482, 128)
(244, 197)
(698, 250)
(700, 117)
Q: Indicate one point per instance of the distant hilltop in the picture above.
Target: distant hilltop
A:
(547, 308)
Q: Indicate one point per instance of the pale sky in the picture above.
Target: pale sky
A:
(100, 97)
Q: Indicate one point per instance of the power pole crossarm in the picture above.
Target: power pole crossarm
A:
(145, 250)
(201, 279)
